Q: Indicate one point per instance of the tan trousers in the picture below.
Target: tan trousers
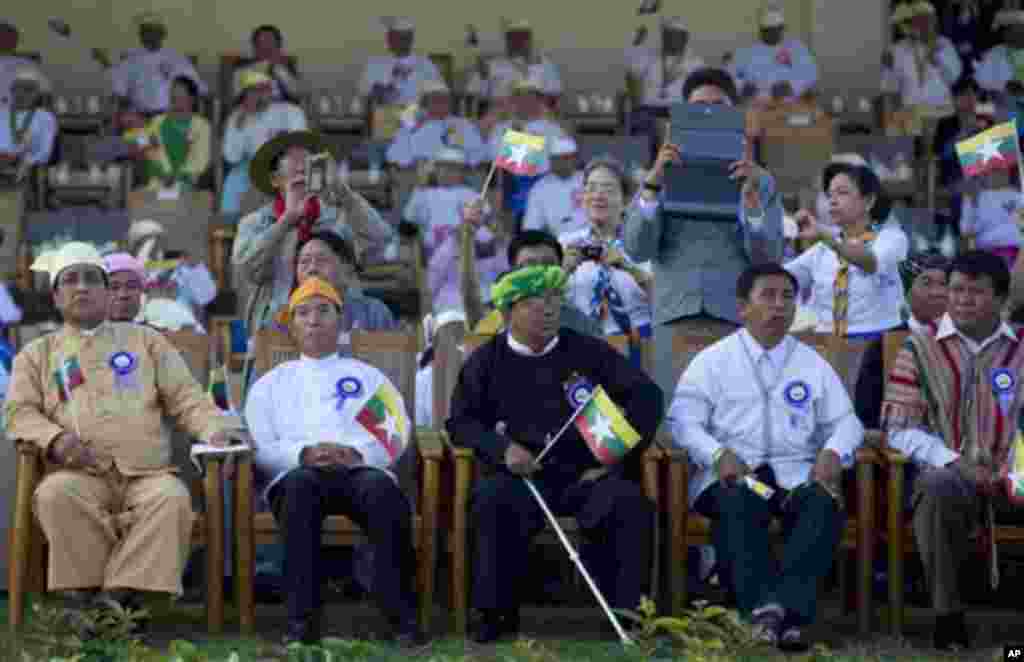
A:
(116, 532)
(946, 512)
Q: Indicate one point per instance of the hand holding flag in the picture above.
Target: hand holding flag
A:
(994, 149)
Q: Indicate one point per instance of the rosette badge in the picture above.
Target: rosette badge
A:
(347, 387)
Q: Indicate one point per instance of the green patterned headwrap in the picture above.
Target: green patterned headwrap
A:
(526, 282)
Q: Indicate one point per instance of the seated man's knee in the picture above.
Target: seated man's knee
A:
(300, 480)
(628, 497)
(384, 491)
(495, 494)
(171, 492)
(939, 483)
(58, 489)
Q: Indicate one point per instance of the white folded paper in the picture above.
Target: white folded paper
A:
(199, 450)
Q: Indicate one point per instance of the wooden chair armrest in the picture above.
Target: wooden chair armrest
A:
(458, 452)
(869, 455)
(893, 456)
(27, 448)
(654, 453)
(431, 444)
(875, 438)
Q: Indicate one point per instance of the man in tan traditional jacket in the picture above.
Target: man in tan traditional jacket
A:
(92, 396)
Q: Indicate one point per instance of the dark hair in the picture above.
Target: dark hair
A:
(975, 264)
(867, 183)
(193, 89)
(710, 76)
(528, 238)
(272, 29)
(338, 245)
(965, 84)
(616, 169)
(748, 279)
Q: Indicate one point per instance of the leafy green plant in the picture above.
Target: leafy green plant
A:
(703, 632)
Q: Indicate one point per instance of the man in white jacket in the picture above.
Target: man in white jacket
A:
(328, 429)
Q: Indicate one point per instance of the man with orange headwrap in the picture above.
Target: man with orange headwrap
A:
(328, 430)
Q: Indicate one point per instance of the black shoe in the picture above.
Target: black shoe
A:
(791, 640)
(495, 624)
(303, 631)
(951, 632)
(409, 635)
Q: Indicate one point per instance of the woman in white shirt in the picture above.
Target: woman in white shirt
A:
(852, 272)
(861, 251)
(603, 281)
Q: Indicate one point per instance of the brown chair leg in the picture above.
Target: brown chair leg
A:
(213, 488)
(245, 548)
(865, 544)
(459, 542)
(20, 541)
(678, 521)
(896, 548)
(428, 546)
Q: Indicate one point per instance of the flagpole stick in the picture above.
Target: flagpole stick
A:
(487, 181)
(564, 428)
(574, 556)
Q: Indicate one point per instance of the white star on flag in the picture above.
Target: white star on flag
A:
(601, 428)
(518, 153)
(989, 151)
(390, 425)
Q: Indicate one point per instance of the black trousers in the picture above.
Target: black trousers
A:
(370, 498)
(812, 524)
(505, 516)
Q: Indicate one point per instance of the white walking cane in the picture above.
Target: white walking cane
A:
(575, 557)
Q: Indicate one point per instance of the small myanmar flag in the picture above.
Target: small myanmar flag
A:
(1015, 470)
(520, 153)
(605, 429)
(993, 149)
(384, 417)
(218, 388)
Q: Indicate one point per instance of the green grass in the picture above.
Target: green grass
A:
(176, 622)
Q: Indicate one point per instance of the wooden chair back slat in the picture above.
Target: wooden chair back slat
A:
(195, 348)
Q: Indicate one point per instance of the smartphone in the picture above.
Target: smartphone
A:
(316, 173)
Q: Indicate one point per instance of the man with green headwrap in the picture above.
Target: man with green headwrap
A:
(513, 394)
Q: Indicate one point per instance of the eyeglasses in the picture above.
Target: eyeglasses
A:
(90, 278)
(131, 286)
(605, 189)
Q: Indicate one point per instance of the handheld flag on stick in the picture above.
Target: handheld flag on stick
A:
(520, 153)
(218, 388)
(605, 429)
(991, 150)
(384, 417)
(1014, 470)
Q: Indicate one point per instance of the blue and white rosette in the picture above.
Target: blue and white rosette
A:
(1004, 387)
(125, 367)
(347, 387)
(578, 392)
(797, 394)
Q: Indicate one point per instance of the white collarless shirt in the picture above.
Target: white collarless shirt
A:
(719, 403)
(297, 405)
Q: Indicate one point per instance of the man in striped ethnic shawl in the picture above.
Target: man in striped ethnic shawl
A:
(951, 405)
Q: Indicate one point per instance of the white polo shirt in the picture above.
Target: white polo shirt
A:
(875, 299)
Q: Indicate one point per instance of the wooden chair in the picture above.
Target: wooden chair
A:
(28, 558)
(466, 469)
(687, 528)
(394, 353)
